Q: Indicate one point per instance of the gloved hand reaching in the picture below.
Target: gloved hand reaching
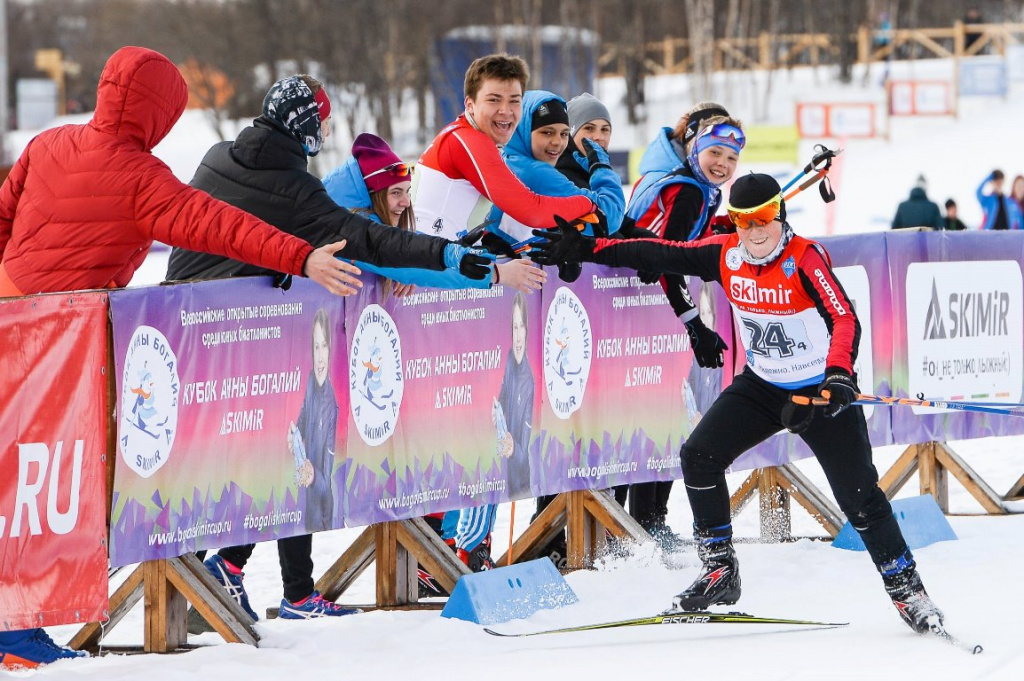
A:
(593, 157)
(470, 262)
(564, 245)
(596, 221)
(708, 347)
(839, 389)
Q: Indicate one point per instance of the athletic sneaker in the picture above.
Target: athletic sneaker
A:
(230, 581)
(312, 607)
(30, 648)
(718, 583)
(911, 600)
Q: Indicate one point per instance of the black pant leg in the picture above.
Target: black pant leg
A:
(542, 503)
(296, 556)
(662, 492)
(843, 449)
(237, 555)
(621, 492)
(745, 414)
(643, 504)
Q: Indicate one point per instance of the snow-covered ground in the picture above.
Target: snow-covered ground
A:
(976, 579)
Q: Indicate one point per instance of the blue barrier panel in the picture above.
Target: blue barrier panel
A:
(509, 593)
(920, 518)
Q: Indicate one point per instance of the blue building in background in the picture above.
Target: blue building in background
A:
(562, 59)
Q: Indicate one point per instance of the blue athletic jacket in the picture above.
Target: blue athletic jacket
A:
(605, 185)
(990, 207)
(660, 167)
(346, 188)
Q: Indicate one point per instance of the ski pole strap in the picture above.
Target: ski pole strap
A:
(1003, 408)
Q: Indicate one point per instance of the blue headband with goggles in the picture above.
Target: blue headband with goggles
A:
(720, 135)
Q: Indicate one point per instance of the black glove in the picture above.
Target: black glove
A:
(472, 264)
(569, 271)
(629, 230)
(283, 281)
(706, 344)
(841, 389)
(597, 157)
(475, 266)
(564, 245)
(472, 236)
(649, 277)
(492, 243)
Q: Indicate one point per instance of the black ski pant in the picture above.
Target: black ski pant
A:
(750, 411)
(295, 555)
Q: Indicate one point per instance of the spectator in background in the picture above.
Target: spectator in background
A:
(972, 16)
(918, 210)
(1000, 211)
(588, 119)
(83, 204)
(952, 222)
(1017, 192)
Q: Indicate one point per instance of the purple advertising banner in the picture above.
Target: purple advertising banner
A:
(227, 415)
(443, 401)
(621, 389)
(246, 413)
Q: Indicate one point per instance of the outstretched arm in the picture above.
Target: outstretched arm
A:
(567, 245)
(482, 166)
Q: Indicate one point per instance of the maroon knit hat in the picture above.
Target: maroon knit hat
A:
(379, 166)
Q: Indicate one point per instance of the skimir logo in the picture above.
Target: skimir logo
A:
(568, 344)
(149, 402)
(933, 326)
(747, 291)
(375, 375)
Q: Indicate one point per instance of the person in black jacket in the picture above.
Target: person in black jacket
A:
(264, 171)
(918, 210)
(952, 222)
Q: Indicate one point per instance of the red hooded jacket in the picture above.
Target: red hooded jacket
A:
(84, 203)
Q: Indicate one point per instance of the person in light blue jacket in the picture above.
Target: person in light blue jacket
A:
(532, 153)
(375, 182)
(1000, 210)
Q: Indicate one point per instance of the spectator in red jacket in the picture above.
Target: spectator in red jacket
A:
(84, 203)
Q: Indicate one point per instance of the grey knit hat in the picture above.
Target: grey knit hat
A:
(583, 109)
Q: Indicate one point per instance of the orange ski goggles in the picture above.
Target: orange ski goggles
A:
(758, 216)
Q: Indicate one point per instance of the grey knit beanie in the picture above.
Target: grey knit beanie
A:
(583, 109)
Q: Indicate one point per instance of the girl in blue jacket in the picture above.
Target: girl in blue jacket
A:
(1000, 210)
(375, 183)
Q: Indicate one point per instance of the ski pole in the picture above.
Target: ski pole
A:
(825, 155)
(1017, 410)
(820, 174)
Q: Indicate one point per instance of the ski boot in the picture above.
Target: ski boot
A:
(916, 608)
(719, 580)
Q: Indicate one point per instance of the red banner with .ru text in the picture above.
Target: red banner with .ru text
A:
(53, 406)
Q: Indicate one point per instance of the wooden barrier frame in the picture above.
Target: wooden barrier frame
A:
(934, 461)
(586, 515)
(396, 547)
(775, 486)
